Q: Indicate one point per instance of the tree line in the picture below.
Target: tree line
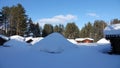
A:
(17, 23)
(15, 20)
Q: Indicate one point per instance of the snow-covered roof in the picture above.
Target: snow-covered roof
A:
(17, 37)
(35, 40)
(4, 37)
(112, 29)
(81, 39)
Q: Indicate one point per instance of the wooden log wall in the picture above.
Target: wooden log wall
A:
(115, 43)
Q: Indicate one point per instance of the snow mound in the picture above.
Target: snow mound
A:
(16, 43)
(54, 43)
(103, 40)
(17, 37)
(112, 29)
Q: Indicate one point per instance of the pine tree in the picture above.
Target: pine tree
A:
(37, 33)
(33, 28)
(82, 33)
(48, 29)
(87, 31)
(98, 26)
(59, 28)
(30, 28)
(12, 20)
(56, 28)
(21, 20)
(115, 21)
(94, 31)
(16, 19)
(71, 31)
(5, 15)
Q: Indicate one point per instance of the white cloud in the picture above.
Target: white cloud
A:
(59, 19)
(93, 15)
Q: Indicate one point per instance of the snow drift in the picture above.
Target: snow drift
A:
(103, 40)
(16, 43)
(17, 37)
(54, 43)
(72, 41)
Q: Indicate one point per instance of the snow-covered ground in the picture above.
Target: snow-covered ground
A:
(83, 56)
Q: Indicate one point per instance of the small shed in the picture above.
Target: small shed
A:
(112, 33)
(84, 40)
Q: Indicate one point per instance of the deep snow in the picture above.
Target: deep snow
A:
(81, 57)
(84, 56)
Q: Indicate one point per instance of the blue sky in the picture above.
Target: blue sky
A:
(63, 11)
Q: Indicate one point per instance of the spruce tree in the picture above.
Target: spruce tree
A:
(71, 31)
(87, 31)
(30, 28)
(37, 29)
(56, 28)
(16, 18)
(5, 15)
(21, 20)
(115, 21)
(59, 28)
(48, 29)
(98, 26)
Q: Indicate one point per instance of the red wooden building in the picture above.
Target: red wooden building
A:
(84, 40)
